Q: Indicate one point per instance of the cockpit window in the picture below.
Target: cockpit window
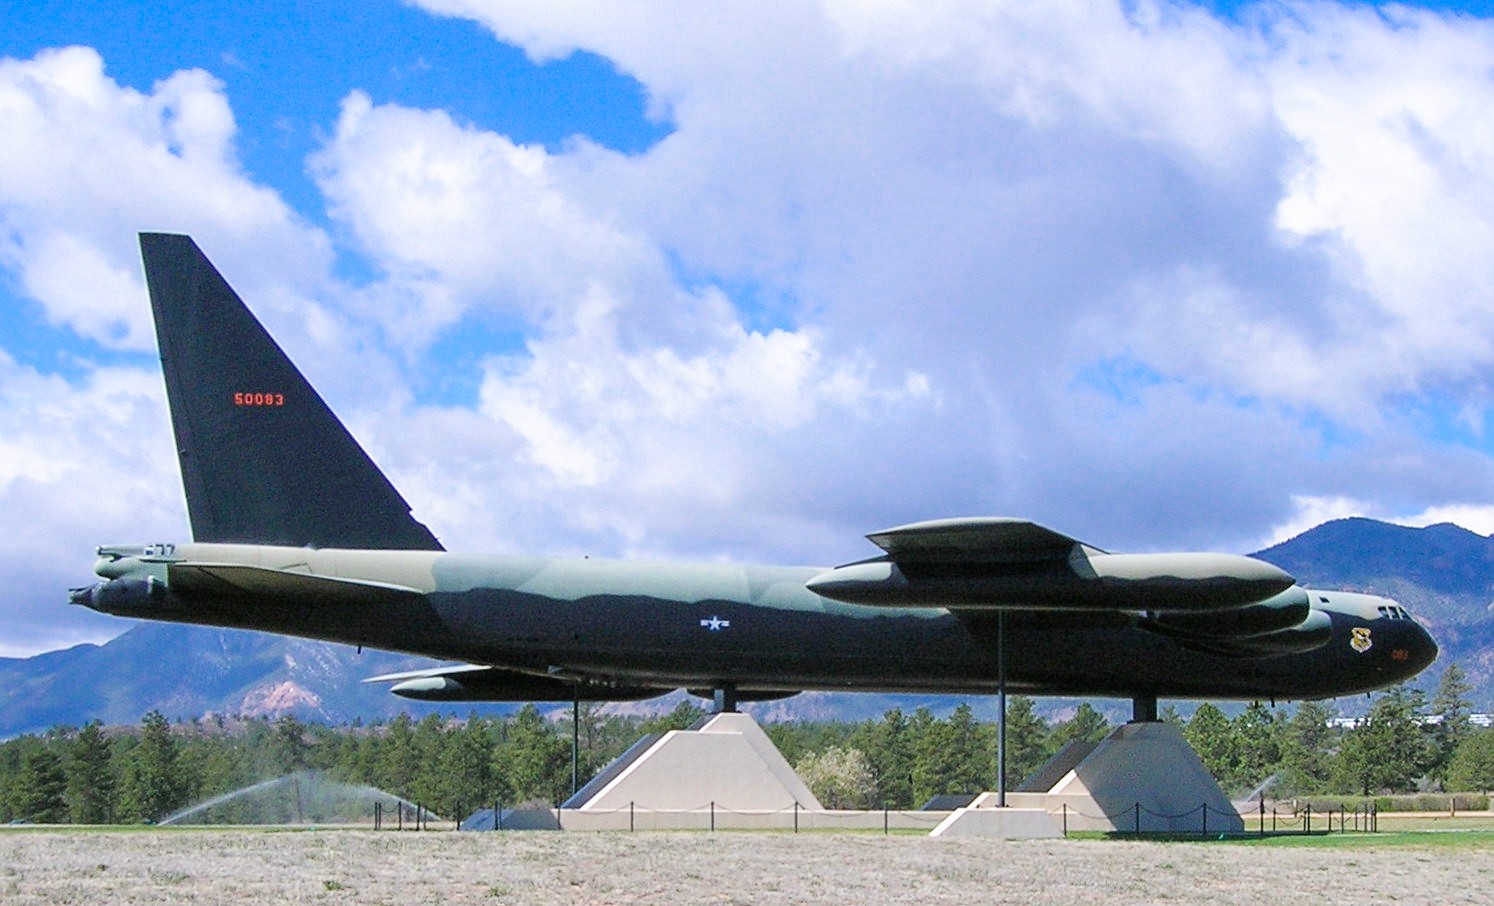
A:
(1393, 612)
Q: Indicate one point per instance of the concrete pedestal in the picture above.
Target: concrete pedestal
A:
(1024, 823)
(727, 763)
(1143, 776)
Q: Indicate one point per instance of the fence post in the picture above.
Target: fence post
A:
(631, 826)
(796, 816)
(1138, 819)
(1263, 816)
(1065, 819)
(1205, 824)
(713, 815)
(885, 828)
(498, 815)
(1307, 820)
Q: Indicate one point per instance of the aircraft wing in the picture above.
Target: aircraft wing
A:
(993, 563)
(236, 579)
(990, 539)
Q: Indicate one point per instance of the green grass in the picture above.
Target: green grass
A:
(1429, 839)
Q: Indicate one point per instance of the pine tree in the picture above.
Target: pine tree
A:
(1257, 735)
(43, 789)
(91, 786)
(1452, 711)
(953, 756)
(1214, 738)
(1472, 766)
(289, 750)
(684, 716)
(467, 768)
(153, 784)
(396, 759)
(1027, 747)
(1389, 750)
(536, 761)
(889, 747)
(1308, 749)
(428, 741)
(1087, 725)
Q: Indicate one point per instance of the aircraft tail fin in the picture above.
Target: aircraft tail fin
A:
(263, 459)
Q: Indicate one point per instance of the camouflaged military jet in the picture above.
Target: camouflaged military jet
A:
(296, 531)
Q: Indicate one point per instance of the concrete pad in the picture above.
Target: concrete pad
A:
(1011, 823)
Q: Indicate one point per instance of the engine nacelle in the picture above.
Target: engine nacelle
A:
(1275, 614)
(1314, 632)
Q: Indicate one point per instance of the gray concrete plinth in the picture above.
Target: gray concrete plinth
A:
(1015, 823)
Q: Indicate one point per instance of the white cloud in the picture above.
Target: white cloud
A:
(1152, 278)
(87, 163)
(1479, 519)
(81, 463)
(1001, 199)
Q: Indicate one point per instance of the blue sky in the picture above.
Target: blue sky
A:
(746, 283)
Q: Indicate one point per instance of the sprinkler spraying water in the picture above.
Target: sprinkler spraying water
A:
(305, 797)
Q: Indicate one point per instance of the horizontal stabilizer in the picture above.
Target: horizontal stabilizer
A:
(259, 582)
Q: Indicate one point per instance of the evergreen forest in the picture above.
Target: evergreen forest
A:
(449, 765)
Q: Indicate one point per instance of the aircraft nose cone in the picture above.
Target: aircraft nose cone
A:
(1422, 647)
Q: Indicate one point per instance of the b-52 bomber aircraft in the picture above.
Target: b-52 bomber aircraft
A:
(296, 531)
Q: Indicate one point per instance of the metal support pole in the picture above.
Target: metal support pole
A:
(726, 698)
(1001, 708)
(576, 740)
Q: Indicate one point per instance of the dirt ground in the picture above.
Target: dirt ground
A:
(342, 866)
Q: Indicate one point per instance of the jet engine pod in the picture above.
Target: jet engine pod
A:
(1284, 611)
(473, 683)
(122, 597)
(1187, 582)
(1314, 632)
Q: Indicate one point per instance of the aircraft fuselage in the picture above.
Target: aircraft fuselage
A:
(757, 629)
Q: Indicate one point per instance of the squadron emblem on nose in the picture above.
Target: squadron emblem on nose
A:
(1359, 639)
